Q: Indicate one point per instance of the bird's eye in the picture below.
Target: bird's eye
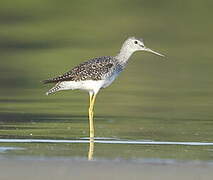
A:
(136, 42)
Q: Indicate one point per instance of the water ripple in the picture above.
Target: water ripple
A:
(4, 149)
(106, 141)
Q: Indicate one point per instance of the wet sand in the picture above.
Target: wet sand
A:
(53, 169)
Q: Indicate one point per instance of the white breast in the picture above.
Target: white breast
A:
(108, 81)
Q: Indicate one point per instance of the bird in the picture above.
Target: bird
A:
(97, 73)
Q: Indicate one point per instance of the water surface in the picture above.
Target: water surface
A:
(158, 110)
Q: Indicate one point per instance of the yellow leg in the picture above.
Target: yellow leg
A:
(91, 107)
(91, 130)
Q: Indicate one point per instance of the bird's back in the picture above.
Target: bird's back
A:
(94, 69)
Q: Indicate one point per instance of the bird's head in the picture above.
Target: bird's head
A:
(137, 44)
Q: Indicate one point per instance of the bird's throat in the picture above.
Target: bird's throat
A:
(124, 55)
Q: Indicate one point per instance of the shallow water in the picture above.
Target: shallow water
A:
(158, 111)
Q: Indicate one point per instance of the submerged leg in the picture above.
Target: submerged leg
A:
(91, 107)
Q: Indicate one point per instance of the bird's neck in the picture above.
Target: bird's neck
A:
(124, 55)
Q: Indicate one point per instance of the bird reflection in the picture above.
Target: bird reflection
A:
(91, 149)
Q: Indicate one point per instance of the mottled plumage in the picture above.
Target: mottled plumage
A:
(94, 69)
(102, 70)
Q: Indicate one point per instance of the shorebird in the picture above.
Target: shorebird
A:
(97, 73)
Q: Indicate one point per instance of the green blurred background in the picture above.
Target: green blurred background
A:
(154, 98)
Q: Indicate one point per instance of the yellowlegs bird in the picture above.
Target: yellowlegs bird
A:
(97, 73)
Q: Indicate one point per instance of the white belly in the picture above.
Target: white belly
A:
(88, 85)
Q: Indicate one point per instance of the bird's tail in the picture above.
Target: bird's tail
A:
(54, 89)
(47, 81)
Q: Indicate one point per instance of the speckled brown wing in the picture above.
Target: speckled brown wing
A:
(94, 69)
